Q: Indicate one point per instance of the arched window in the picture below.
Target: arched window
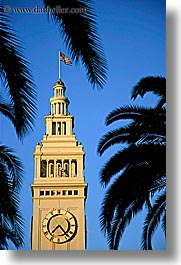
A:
(59, 168)
(51, 169)
(63, 108)
(53, 128)
(43, 169)
(66, 168)
(64, 128)
(74, 168)
(59, 128)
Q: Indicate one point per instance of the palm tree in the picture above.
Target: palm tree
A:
(17, 103)
(139, 175)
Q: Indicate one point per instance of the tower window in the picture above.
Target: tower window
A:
(69, 192)
(51, 169)
(64, 128)
(47, 192)
(52, 192)
(43, 168)
(63, 112)
(59, 168)
(66, 168)
(63, 192)
(59, 109)
(57, 92)
(41, 192)
(53, 128)
(75, 192)
(59, 128)
(74, 168)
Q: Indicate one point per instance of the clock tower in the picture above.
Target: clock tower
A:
(59, 190)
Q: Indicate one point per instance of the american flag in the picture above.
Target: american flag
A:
(65, 59)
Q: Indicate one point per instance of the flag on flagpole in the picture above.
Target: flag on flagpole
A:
(65, 59)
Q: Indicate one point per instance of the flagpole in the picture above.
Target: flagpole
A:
(59, 65)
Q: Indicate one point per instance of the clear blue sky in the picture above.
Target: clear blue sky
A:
(133, 37)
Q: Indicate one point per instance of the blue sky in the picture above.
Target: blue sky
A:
(133, 37)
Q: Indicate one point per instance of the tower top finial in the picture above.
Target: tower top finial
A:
(59, 82)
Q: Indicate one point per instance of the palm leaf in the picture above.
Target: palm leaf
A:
(9, 208)
(13, 165)
(79, 31)
(152, 220)
(136, 113)
(135, 181)
(131, 156)
(121, 221)
(8, 234)
(130, 134)
(154, 84)
(159, 184)
(8, 111)
(16, 79)
(164, 222)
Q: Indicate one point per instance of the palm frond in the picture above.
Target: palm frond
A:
(154, 84)
(113, 137)
(159, 184)
(79, 31)
(152, 220)
(132, 156)
(135, 181)
(121, 221)
(16, 78)
(164, 222)
(131, 133)
(13, 164)
(10, 216)
(136, 113)
(8, 111)
(8, 234)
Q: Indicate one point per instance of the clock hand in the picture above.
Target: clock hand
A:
(55, 229)
(65, 232)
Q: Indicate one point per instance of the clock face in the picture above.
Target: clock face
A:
(59, 226)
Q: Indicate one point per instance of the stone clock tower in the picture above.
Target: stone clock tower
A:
(59, 189)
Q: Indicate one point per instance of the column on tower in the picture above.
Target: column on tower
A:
(55, 168)
(47, 168)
